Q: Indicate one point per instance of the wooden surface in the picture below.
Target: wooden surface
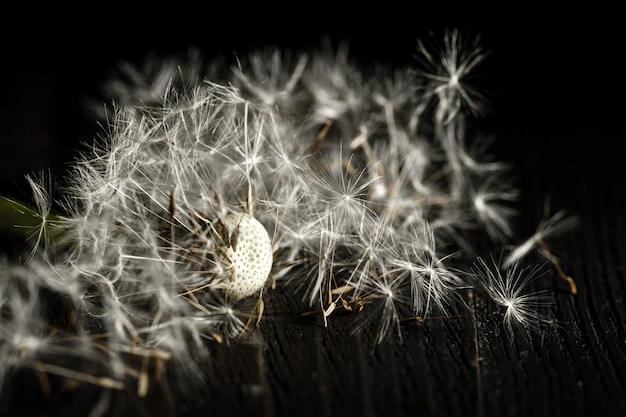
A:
(566, 138)
(462, 366)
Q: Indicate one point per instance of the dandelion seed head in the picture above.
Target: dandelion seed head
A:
(162, 249)
(248, 254)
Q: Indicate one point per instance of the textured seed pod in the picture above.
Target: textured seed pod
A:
(248, 251)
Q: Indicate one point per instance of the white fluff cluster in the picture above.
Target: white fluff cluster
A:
(353, 187)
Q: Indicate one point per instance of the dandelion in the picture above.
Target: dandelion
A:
(210, 187)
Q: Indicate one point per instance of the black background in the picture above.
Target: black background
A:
(556, 82)
(552, 73)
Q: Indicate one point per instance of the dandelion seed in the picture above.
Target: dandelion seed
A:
(492, 204)
(44, 228)
(509, 288)
(445, 71)
(272, 78)
(384, 297)
(551, 226)
(322, 281)
(344, 193)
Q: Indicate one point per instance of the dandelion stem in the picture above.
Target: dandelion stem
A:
(101, 381)
(319, 138)
(568, 279)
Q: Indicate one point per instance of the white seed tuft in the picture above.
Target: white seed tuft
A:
(249, 254)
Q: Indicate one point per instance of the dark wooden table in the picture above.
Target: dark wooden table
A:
(558, 116)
